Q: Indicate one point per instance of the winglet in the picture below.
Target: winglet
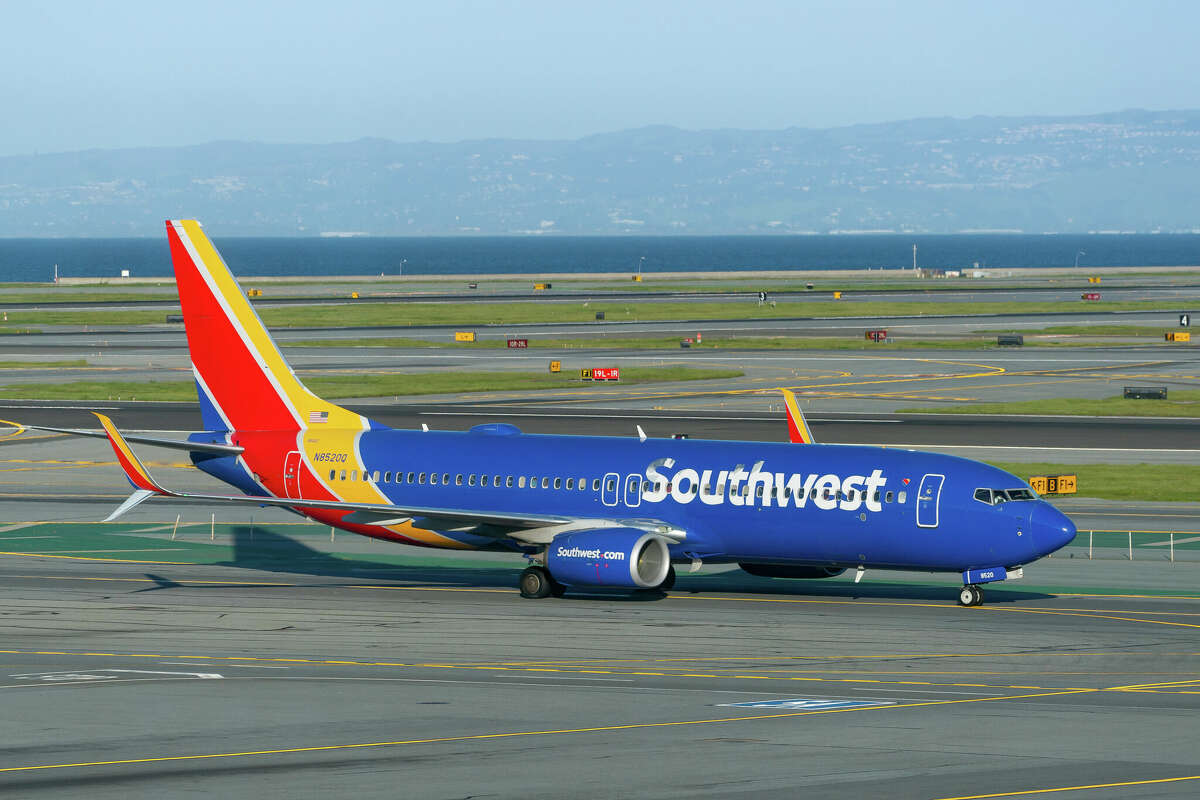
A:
(798, 430)
(134, 470)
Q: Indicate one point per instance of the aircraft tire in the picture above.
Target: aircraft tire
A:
(556, 588)
(534, 583)
(668, 582)
(970, 596)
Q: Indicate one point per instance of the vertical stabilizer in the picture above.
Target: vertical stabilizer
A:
(243, 381)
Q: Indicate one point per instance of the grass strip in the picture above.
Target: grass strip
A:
(482, 313)
(672, 343)
(1149, 482)
(1088, 330)
(77, 362)
(368, 385)
(1180, 403)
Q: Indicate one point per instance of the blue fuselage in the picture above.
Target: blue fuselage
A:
(821, 505)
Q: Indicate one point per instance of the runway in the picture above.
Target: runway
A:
(1151, 439)
(300, 674)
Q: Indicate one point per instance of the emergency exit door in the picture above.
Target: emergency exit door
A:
(928, 496)
(291, 474)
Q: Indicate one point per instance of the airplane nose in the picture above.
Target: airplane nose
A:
(1051, 528)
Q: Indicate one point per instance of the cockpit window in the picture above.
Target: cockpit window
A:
(994, 497)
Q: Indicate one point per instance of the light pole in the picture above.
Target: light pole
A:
(1077, 255)
(640, 261)
(402, 263)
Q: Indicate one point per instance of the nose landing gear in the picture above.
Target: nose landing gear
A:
(971, 595)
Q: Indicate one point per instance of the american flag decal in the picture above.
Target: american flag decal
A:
(317, 417)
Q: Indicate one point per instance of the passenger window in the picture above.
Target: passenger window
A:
(612, 485)
(508, 482)
(376, 477)
(786, 493)
(387, 477)
(521, 482)
(887, 498)
(408, 478)
(421, 478)
(582, 484)
(458, 479)
(545, 483)
(814, 494)
(532, 482)
(445, 477)
(900, 498)
(759, 491)
(471, 479)
(353, 474)
(433, 479)
(570, 483)
(558, 483)
(332, 474)
(343, 475)
(595, 484)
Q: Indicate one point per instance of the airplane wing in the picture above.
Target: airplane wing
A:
(798, 431)
(540, 527)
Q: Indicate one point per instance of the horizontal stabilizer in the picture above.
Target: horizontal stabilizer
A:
(174, 444)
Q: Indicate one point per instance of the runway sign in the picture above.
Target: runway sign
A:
(1054, 484)
(808, 704)
(518, 344)
(464, 336)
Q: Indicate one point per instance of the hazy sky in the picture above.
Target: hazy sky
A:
(78, 75)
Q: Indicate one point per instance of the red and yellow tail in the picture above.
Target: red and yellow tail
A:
(243, 381)
(798, 431)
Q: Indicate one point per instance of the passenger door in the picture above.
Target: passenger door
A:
(928, 496)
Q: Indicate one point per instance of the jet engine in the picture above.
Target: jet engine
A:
(618, 557)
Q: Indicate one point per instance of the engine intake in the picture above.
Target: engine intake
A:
(618, 557)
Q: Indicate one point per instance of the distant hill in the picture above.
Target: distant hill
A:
(1124, 171)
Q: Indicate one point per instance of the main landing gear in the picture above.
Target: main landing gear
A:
(536, 583)
(971, 595)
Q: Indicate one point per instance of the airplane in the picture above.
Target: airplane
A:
(587, 512)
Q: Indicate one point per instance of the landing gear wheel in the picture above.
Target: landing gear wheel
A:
(668, 582)
(535, 583)
(970, 596)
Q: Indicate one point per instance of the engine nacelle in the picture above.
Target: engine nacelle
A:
(790, 571)
(618, 557)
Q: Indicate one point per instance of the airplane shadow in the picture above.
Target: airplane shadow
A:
(266, 551)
